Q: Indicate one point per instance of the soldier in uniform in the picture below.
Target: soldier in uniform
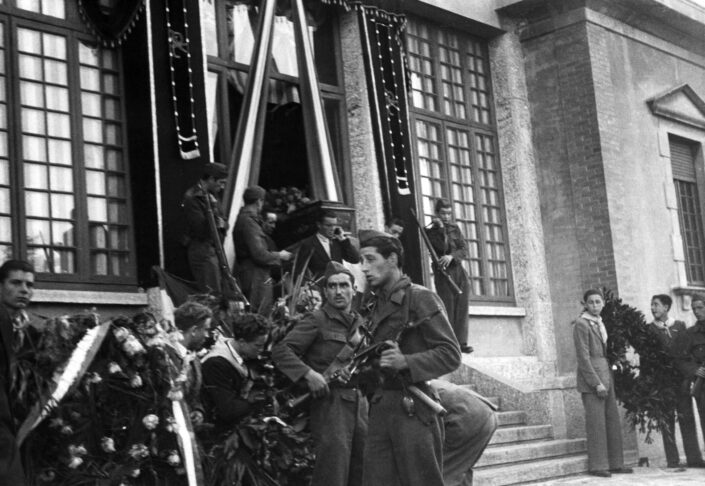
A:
(202, 257)
(254, 258)
(667, 330)
(449, 244)
(405, 438)
(690, 356)
(314, 350)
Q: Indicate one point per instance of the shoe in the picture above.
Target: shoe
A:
(464, 348)
(602, 474)
(622, 470)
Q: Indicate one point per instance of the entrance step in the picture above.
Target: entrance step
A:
(537, 470)
(516, 453)
(523, 433)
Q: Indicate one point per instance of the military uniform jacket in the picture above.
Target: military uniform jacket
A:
(196, 214)
(315, 342)
(685, 345)
(448, 241)
(430, 346)
(251, 242)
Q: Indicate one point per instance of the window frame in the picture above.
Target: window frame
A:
(473, 128)
(74, 31)
(221, 65)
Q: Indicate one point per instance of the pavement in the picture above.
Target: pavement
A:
(643, 476)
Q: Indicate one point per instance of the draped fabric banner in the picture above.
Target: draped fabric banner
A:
(181, 75)
(385, 67)
(110, 23)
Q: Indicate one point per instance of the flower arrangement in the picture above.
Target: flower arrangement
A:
(646, 379)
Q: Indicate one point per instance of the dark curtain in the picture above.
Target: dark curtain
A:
(385, 68)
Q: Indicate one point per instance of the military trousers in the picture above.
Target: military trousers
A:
(686, 421)
(402, 450)
(339, 428)
(253, 280)
(457, 305)
(604, 431)
(204, 265)
(463, 448)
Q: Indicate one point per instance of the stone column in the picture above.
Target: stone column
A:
(366, 194)
(522, 200)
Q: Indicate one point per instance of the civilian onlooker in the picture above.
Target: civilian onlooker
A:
(668, 330)
(394, 227)
(16, 290)
(596, 385)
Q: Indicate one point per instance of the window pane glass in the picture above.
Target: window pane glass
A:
(95, 182)
(87, 55)
(55, 8)
(5, 229)
(30, 67)
(35, 176)
(93, 156)
(33, 121)
(37, 203)
(112, 109)
(112, 134)
(32, 94)
(29, 41)
(110, 83)
(60, 152)
(115, 160)
(4, 172)
(59, 125)
(63, 233)
(57, 98)
(34, 148)
(90, 79)
(54, 46)
(97, 209)
(5, 200)
(62, 206)
(92, 130)
(99, 263)
(3, 144)
(61, 179)
(90, 104)
(55, 72)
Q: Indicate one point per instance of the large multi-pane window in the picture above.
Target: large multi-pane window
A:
(64, 201)
(456, 148)
(689, 187)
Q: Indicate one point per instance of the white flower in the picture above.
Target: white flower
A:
(67, 430)
(93, 378)
(132, 346)
(107, 444)
(113, 368)
(75, 461)
(135, 472)
(175, 395)
(174, 459)
(78, 450)
(170, 424)
(121, 333)
(150, 421)
(136, 381)
(138, 451)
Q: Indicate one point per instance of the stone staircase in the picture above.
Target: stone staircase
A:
(519, 453)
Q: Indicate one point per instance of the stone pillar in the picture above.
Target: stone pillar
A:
(519, 176)
(366, 194)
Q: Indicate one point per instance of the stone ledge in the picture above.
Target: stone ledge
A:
(89, 297)
(496, 311)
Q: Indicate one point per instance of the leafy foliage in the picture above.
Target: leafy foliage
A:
(646, 380)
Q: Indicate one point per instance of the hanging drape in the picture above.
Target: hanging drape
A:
(110, 23)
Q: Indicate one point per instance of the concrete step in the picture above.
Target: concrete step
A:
(516, 417)
(522, 433)
(530, 451)
(530, 471)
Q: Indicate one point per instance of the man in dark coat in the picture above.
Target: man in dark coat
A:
(405, 439)
(254, 258)
(16, 289)
(199, 240)
(227, 380)
(449, 244)
(690, 354)
(667, 330)
(469, 422)
(328, 244)
(314, 350)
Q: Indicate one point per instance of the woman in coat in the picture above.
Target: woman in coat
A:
(596, 385)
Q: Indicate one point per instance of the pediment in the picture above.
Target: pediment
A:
(681, 104)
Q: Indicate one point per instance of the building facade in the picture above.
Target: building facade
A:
(568, 136)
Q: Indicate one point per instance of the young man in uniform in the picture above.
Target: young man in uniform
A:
(199, 240)
(405, 439)
(314, 350)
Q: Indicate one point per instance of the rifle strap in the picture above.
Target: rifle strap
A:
(342, 359)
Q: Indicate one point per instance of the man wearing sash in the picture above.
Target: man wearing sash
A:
(16, 289)
(314, 350)
(227, 380)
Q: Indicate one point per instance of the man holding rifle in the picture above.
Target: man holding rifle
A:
(199, 240)
(318, 350)
(449, 276)
(405, 439)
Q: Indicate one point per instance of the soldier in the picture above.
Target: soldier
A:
(201, 247)
(405, 438)
(667, 330)
(449, 244)
(314, 350)
(16, 289)
(254, 258)
(328, 244)
(690, 357)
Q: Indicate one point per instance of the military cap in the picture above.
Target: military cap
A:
(366, 235)
(334, 268)
(216, 170)
(253, 193)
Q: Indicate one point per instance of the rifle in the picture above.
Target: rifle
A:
(698, 355)
(432, 252)
(229, 287)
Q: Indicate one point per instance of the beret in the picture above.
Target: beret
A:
(253, 193)
(368, 234)
(334, 268)
(217, 170)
